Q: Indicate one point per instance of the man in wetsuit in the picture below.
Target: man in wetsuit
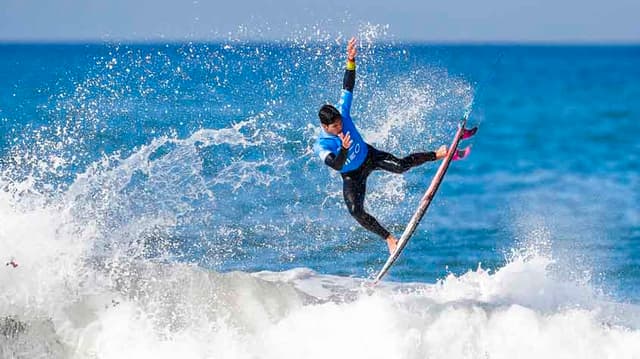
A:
(342, 148)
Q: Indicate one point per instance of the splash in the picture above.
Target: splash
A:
(161, 310)
(167, 162)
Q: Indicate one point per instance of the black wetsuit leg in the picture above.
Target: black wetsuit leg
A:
(354, 189)
(355, 183)
(389, 162)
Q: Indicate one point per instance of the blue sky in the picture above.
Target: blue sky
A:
(407, 20)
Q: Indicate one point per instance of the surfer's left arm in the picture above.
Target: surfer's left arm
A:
(441, 152)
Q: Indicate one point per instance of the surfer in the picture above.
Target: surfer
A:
(342, 148)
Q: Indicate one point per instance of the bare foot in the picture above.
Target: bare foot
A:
(441, 152)
(392, 242)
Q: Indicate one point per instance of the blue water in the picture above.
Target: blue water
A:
(201, 154)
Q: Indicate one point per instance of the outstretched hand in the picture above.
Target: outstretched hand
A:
(352, 51)
(346, 139)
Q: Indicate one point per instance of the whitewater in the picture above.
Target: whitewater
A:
(58, 303)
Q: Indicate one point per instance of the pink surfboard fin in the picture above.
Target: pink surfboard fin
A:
(469, 132)
(460, 154)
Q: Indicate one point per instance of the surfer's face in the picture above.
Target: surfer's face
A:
(335, 128)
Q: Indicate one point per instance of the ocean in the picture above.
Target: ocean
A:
(163, 201)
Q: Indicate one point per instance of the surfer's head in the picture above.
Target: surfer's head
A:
(330, 119)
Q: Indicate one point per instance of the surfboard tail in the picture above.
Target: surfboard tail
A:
(469, 132)
(427, 197)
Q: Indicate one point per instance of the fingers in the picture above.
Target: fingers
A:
(351, 48)
(346, 139)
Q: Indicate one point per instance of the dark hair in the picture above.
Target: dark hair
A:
(328, 114)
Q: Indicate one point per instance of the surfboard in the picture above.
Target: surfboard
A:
(426, 199)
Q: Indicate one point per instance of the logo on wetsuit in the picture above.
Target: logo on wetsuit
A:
(353, 154)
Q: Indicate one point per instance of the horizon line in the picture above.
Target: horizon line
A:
(160, 42)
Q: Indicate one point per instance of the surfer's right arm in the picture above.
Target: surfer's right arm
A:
(337, 162)
(349, 79)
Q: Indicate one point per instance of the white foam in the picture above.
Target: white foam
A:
(148, 310)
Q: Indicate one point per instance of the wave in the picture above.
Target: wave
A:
(67, 300)
(64, 299)
(158, 310)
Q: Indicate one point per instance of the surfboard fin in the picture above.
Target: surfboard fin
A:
(460, 154)
(469, 132)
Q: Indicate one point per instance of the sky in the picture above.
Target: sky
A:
(520, 21)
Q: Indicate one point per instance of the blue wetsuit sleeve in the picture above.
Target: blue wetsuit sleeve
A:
(345, 103)
(321, 151)
(348, 83)
(329, 157)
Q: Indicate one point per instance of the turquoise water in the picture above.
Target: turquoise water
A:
(124, 156)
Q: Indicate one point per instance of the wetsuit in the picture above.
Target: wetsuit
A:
(356, 163)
